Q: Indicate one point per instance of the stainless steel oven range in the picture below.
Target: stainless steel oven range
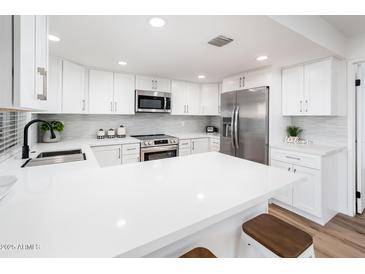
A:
(158, 146)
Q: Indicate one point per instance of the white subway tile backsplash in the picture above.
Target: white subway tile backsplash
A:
(330, 130)
(85, 126)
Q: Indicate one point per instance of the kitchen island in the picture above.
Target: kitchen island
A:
(158, 208)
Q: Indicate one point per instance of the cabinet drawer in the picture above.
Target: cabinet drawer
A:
(184, 144)
(296, 158)
(133, 158)
(130, 149)
(184, 152)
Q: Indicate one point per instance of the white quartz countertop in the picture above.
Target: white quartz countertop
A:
(315, 149)
(128, 210)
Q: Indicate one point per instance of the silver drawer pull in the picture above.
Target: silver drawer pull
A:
(294, 158)
(43, 73)
(289, 168)
(131, 148)
(184, 143)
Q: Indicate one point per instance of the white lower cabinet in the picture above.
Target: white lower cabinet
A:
(198, 145)
(316, 197)
(111, 155)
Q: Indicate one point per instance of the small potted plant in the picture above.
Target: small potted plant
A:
(57, 126)
(293, 134)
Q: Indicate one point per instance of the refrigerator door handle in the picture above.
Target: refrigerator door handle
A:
(232, 128)
(236, 127)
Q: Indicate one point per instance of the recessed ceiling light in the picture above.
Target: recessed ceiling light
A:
(122, 63)
(201, 76)
(262, 58)
(53, 38)
(157, 22)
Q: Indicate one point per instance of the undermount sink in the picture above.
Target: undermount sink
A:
(56, 157)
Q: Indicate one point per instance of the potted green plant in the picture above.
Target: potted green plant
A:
(293, 134)
(57, 126)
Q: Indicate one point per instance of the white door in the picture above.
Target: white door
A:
(307, 194)
(178, 100)
(232, 83)
(199, 145)
(41, 60)
(145, 83)
(54, 85)
(73, 88)
(292, 91)
(163, 85)
(285, 196)
(108, 155)
(360, 150)
(193, 99)
(317, 88)
(210, 99)
(100, 92)
(123, 93)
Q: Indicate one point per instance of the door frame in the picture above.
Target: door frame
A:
(352, 66)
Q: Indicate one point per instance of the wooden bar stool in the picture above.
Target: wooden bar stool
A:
(273, 237)
(198, 252)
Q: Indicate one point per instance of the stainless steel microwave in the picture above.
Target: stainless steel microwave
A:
(152, 101)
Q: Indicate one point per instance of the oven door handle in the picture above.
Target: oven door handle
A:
(158, 149)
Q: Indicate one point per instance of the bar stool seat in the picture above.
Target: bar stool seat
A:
(199, 252)
(281, 238)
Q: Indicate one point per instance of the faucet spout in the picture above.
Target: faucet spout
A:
(25, 148)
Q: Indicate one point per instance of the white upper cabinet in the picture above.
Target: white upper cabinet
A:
(233, 83)
(210, 99)
(314, 89)
(153, 83)
(74, 98)
(6, 96)
(111, 93)
(31, 62)
(178, 100)
(123, 93)
(101, 92)
(55, 85)
(193, 99)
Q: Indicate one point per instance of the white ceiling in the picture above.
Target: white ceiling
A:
(349, 25)
(180, 49)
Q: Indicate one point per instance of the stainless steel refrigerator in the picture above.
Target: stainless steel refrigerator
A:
(245, 124)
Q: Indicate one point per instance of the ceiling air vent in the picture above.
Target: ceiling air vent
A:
(220, 41)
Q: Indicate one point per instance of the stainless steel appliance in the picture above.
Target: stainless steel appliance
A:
(153, 101)
(158, 146)
(245, 124)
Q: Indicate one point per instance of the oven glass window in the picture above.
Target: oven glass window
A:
(148, 156)
(150, 102)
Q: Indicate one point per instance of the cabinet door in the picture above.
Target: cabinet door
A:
(232, 83)
(292, 91)
(210, 99)
(108, 155)
(193, 99)
(199, 145)
(285, 196)
(128, 159)
(73, 88)
(55, 85)
(307, 194)
(145, 83)
(256, 79)
(163, 85)
(100, 92)
(123, 93)
(6, 100)
(214, 144)
(317, 88)
(178, 100)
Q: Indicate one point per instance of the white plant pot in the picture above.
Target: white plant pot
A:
(47, 137)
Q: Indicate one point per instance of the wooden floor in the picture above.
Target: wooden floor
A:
(342, 237)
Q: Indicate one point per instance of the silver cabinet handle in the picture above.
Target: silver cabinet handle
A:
(193, 145)
(294, 170)
(153, 84)
(156, 86)
(111, 106)
(306, 105)
(232, 128)
(120, 153)
(43, 73)
(83, 105)
(187, 107)
(240, 82)
(294, 158)
(115, 106)
(129, 149)
(236, 127)
(289, 168)
(243, 82)
(301, 105)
